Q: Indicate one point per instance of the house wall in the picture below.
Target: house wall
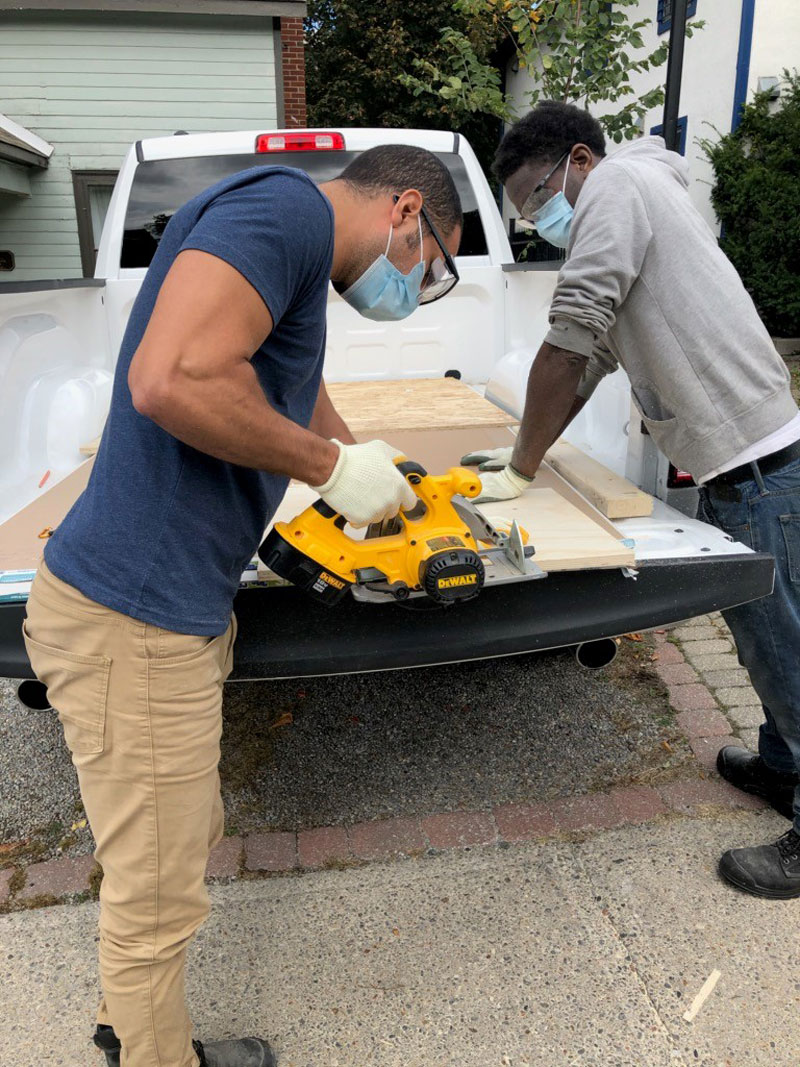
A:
(709, 75)
(294, 72)
(91, 84)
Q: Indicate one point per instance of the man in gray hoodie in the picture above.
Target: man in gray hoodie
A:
(645, 285)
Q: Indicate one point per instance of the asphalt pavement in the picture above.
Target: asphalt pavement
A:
(334, 751)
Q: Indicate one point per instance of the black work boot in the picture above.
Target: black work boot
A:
(765, 870)
(107, 1040)
(241, 1052)
(749, 772)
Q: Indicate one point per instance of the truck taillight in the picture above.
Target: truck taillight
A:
(678, 479)
(308, 141)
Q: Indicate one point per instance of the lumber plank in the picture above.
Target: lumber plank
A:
(613, 495)
(565, 537)
(414, 404)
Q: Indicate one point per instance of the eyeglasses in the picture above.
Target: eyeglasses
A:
(442, 275)
(539, 196)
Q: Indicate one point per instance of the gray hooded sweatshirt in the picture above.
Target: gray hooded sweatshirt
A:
(646, 285)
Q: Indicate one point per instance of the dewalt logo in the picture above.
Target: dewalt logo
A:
(459, 579)
(329, 578)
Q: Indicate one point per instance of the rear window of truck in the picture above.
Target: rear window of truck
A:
(161, 186)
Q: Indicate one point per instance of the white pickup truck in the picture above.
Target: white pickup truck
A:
(58, 345)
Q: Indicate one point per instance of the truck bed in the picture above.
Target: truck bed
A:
(602, 580)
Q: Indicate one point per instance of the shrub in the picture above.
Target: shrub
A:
(756, 197)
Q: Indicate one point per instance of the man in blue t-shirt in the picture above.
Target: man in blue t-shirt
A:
(218, 401)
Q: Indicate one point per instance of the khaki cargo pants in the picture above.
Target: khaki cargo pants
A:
(141, 709)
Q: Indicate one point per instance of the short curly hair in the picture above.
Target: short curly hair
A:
(545, 134)
(394, 167)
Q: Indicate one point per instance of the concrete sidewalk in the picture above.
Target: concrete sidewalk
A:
(545, 955)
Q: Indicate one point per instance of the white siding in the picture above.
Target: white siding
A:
(709, 74)
(92, 84)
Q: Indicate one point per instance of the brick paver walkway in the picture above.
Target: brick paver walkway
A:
(709, 691)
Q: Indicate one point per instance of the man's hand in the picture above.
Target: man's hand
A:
(506, 484)
(490, 459)
(365, 485)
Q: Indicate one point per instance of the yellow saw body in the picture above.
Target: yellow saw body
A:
(434, 549)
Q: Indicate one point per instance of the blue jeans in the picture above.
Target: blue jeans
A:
(764, 513)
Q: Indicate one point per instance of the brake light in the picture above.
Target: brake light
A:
(306, 141)
(678, 479)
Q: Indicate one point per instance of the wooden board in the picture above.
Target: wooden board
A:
(613, 495)
(567, 531)
(20, 544)
(407, 404)
(413, 404)
(564, 536)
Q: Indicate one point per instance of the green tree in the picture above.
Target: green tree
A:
(756, 196)
(577, 51)
(358, 51)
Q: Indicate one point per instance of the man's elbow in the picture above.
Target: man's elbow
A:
(151, 396)
(564, 358)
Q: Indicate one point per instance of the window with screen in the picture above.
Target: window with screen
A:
(665, 13)
(160, 187)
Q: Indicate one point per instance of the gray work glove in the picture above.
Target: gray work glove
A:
(490, 459)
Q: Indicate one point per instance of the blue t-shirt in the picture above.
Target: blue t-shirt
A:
(163, 531)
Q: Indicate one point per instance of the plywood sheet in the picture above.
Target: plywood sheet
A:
(567, 532)
(413, 404)
(613, 495)
(564, 536)
(437, 450)
(20, 544)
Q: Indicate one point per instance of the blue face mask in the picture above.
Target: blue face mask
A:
(554, 219)
(383, 292)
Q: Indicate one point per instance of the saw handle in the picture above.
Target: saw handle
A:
(415, 474)
(412, 471)
(327, 512)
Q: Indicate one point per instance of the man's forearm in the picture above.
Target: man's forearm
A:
(230, 418)
(549, 402)
(577, 406)
(326, 420)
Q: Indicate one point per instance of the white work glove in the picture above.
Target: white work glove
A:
(504, 484)
(365, 485)
(500, 481)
